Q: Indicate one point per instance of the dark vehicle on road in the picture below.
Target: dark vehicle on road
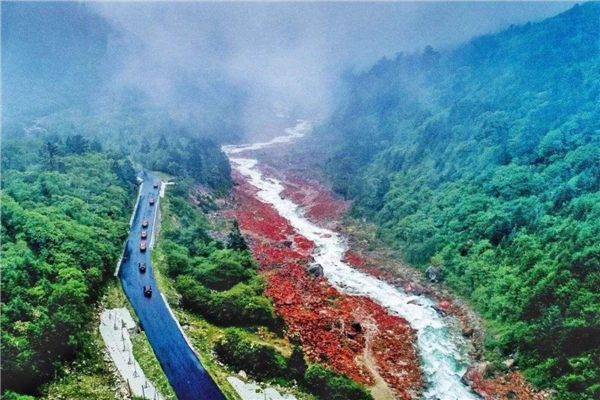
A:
(145, 223)
(155, 185)
(142, 267)
(148, 291)
(144, 234)
(143, 245)
(151, 202)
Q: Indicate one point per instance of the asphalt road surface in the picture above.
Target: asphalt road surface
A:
(186, 374)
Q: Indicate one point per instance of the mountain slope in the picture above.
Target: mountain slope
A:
(486, 160)
(61, 64)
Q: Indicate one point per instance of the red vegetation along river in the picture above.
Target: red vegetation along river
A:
(351, 334)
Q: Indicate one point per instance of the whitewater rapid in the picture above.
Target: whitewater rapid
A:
(441, 360)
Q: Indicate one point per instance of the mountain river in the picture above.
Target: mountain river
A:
(443, 359)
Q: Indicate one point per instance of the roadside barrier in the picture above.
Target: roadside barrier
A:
(154, 230)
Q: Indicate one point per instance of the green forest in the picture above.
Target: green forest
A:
(485, 160)
(64, 221)
(50, 94)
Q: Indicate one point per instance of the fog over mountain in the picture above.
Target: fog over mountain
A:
(338, 200)
(291, 53)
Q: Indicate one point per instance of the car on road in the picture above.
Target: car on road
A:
(142, 267)
(155, 185)
(148, 291)
(144, 234)
(145, 223)
(151, 202)
(143, 245)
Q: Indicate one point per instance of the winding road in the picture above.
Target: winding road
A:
(188, 378)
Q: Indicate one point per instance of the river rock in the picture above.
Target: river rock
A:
(441, 312)
(316, 270)
(356, 326)
(467, 332)
(475, 373)
(434, 274)
(243, 374)
(415, 289)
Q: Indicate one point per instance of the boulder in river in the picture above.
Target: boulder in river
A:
(316, 270)
(356, 326)
(467, 332)
(415, 289)
(440, 312)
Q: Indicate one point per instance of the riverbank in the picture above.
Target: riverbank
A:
(334, 329)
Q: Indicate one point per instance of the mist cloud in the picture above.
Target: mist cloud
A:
(183, 55)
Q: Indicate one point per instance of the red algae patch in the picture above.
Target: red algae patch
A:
(359, 262)
(505, 387)
(334, 328)
(256, 217)
(320, 204)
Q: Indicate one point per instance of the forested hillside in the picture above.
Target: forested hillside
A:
(64, 221)
(485, 161)
(60, 78)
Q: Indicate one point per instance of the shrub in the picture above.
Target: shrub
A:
(259, 360)
(329, 385)
(222, 276)
(238, 306)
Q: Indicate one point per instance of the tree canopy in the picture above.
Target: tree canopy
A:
(488, 158)
(63, 228)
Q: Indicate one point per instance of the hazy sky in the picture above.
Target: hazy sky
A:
(290, 51)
